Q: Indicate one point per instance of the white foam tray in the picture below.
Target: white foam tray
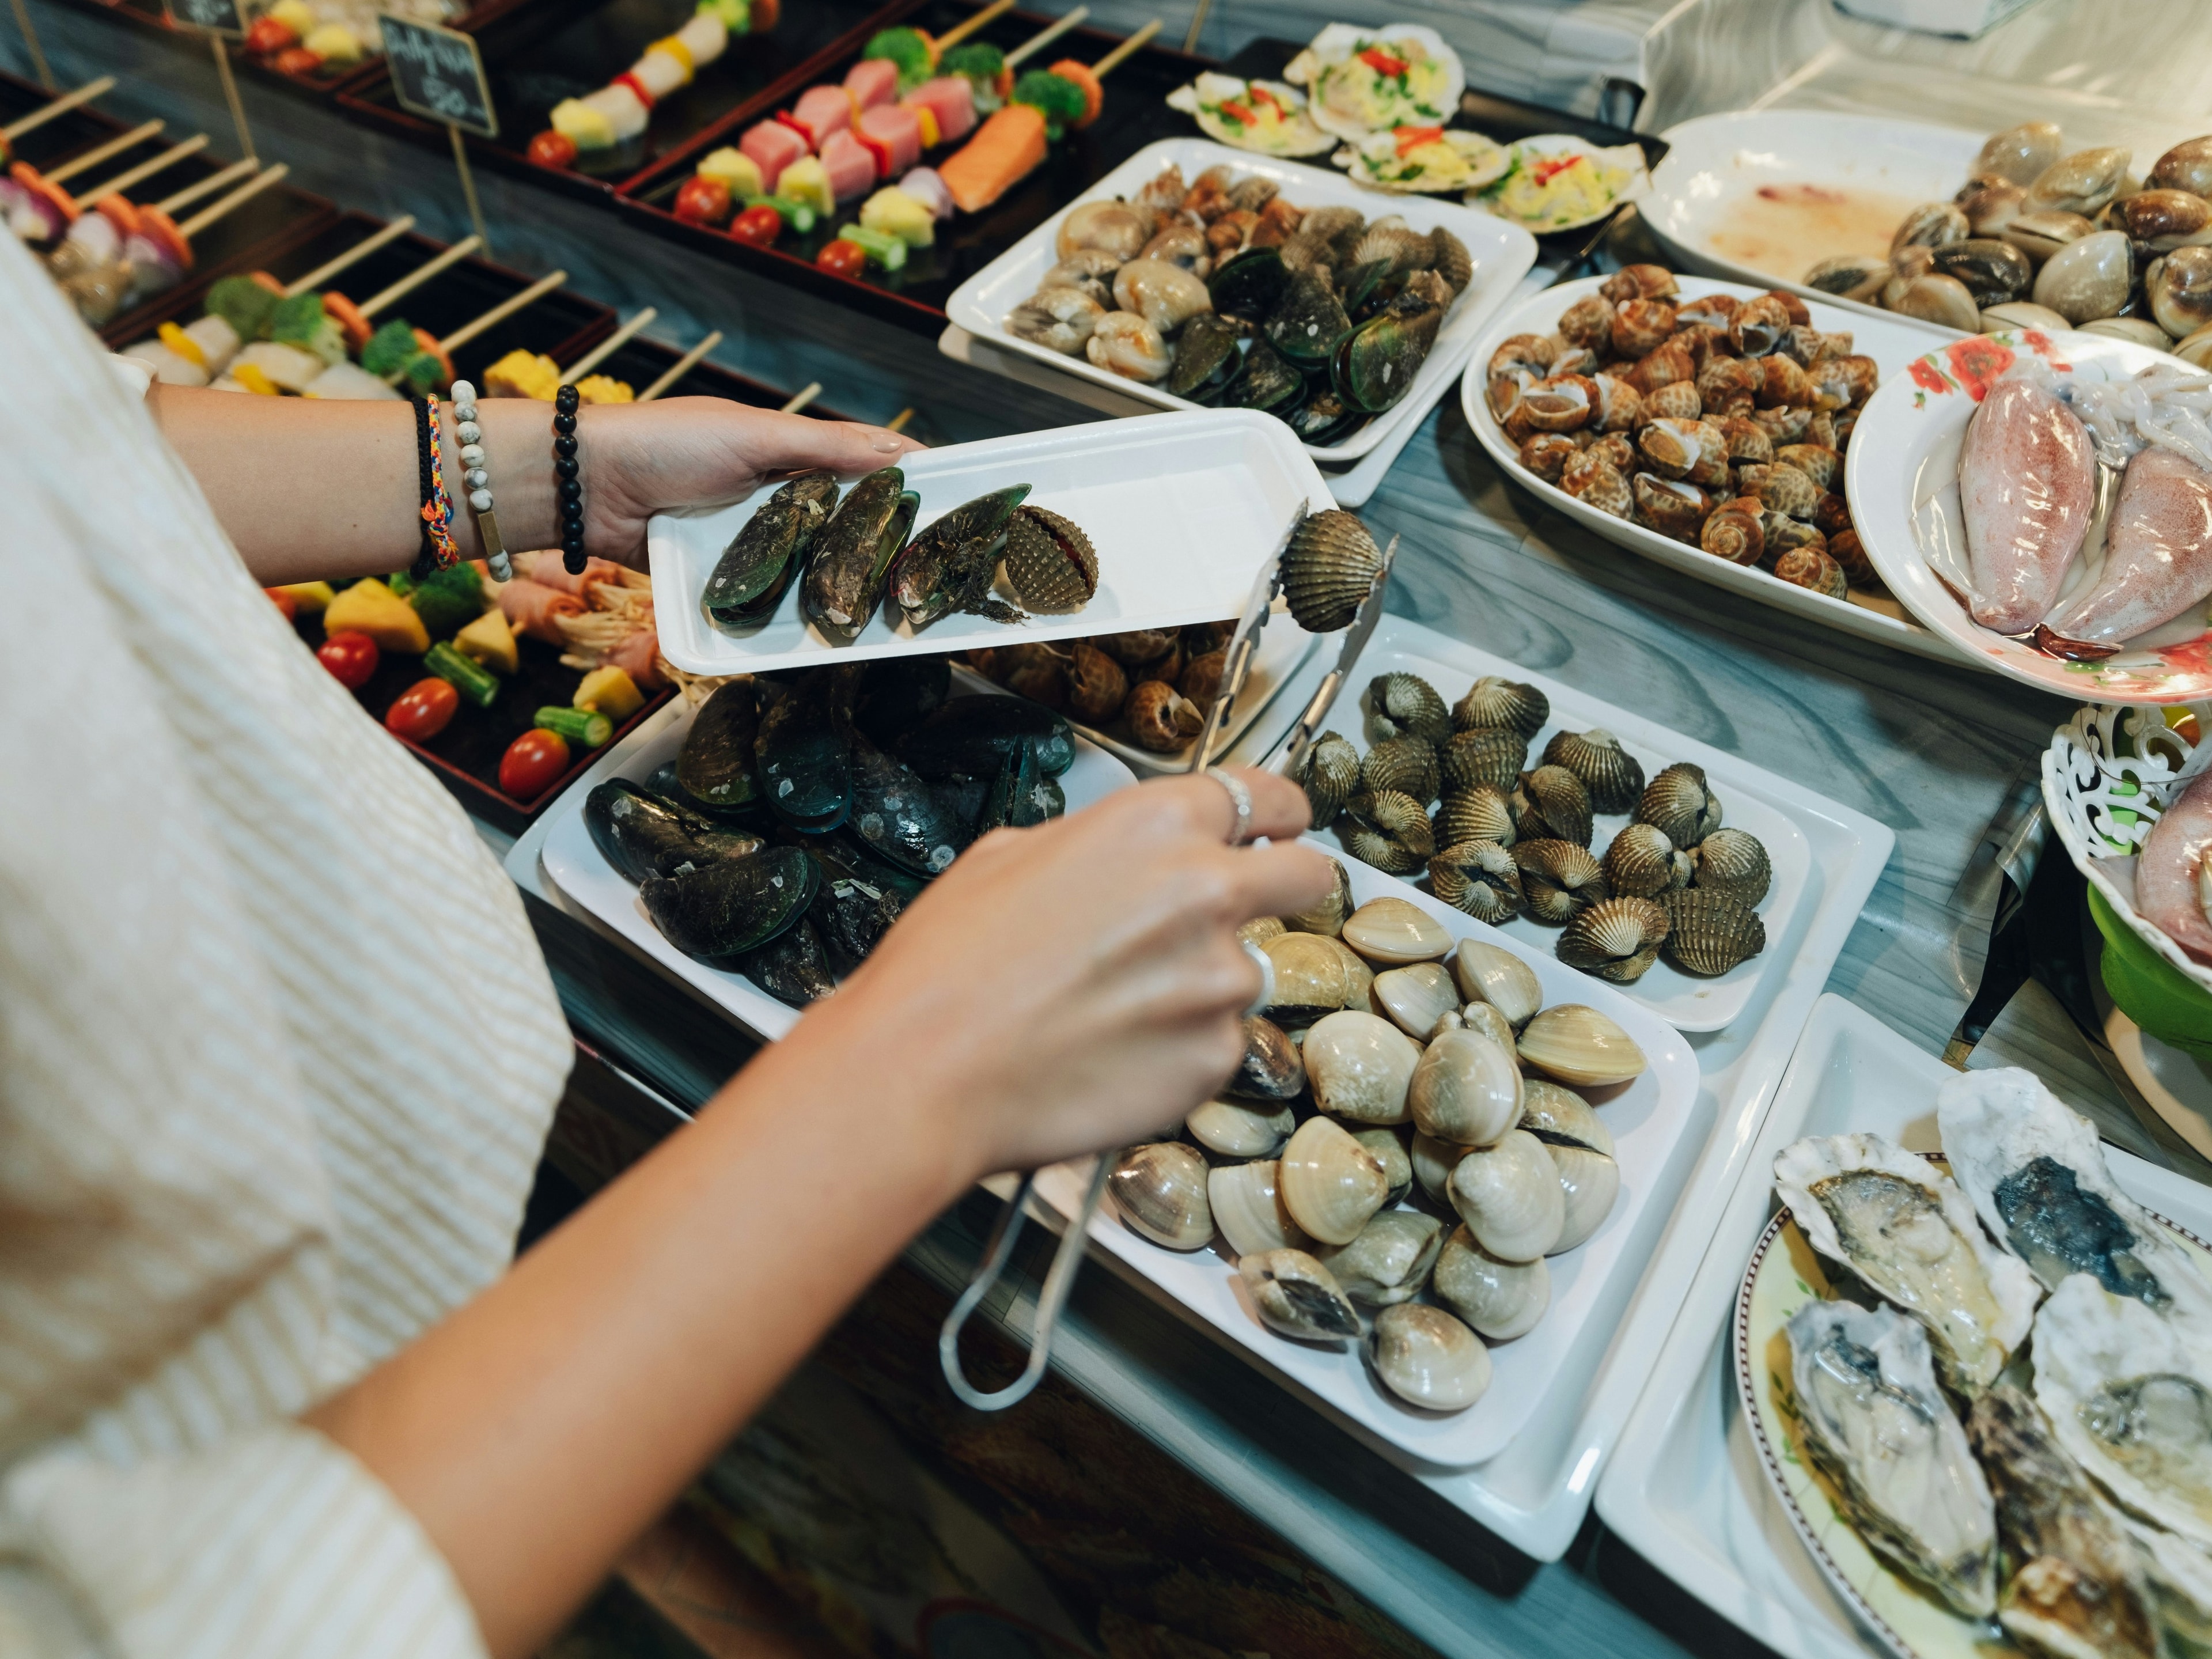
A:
(1183, 509)
(1503, 254)
(575, 866)
(1686, 1489)
(1892, 341)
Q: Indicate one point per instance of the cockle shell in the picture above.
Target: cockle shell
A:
(1160, 1189)
(1553, 805)
(1390, 831)
(1427, 1358)
(1711, 931)
(1479, 877)
(1559, 878)
(1406, 764)
(1500, 1299)
(1050, 563)
(1329, 568)
(1680, 805)
(1481, 811)
(1331, 775)
(1731, 861)
(1294, 1294)
(1491, 754)
(1643, 863)
(1608, 771)
(1496, 701)
(1580, 1047)
(1617, 939)
(1405, 705)
(1450, 259)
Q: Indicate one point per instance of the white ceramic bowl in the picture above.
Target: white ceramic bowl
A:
(1900, 475)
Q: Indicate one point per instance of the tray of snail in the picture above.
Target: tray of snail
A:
(1412, 1216)
(1643, 500)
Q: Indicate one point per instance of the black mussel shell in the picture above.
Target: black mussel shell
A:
(715, 768)
(792, 968)
(895, 814)
(1017, 798)
(1249, 284)
(803, 758)
(1207, 357)
(850, 561)
(842, 852)
(1374, 365)
(1266, 381)
(963, 798)
(896, 694)
(762, 558)
(1308, 321)
(718, 911)
(642, 833)
(1363, 286)
(971, 737)
(851, 914)
(1323, 420)
(1055, 799)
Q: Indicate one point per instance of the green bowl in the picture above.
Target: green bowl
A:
(2148, 989)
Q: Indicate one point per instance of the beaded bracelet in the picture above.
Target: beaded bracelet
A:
(569, 487)
(439, 547)
(478, 481)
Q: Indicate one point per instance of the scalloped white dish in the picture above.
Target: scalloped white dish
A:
(1892, 341)
(1901, 474)
(1503, 254)
(1649, 1119)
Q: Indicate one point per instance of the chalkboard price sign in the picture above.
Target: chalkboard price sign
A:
(207, 17)
(436, 73)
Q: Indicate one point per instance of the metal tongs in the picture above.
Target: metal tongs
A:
(1060, 1277)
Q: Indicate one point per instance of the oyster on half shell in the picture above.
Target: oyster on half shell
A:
(1901, 1224)
(1876, 1426)
(2037, 1178)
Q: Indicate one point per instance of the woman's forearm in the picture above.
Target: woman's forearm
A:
(540, 1429)
(312, 489)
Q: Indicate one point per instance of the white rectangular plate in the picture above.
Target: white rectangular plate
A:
(1503, 254)
(575, 866)
(1892, 341)
(1686, 1489)
(1685, 1002)
(1653, 1120)
(1181, 508)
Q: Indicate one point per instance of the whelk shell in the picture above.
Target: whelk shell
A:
(1358, 1066)
(1734, 862)
(1329, 568)
(1711, 931)
(1500, 1299)
(1733, 532)
(1299, 1296)
(1394, 931)
(1491, 975)
(1160, 1189)
(1559, 878)
(1680, 805)
(1248, 1207)
(1479, 877)
(1580, 1047)
(1642, 863)
(1331, 1183)
(1617, 939)
(1391, 1261)
(1427, 1358)
(1609, 772)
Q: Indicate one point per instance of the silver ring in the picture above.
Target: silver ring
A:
(1266, 966)
(1240, 798)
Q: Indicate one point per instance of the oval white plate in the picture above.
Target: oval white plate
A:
(1646, 1117)
(1891, 341)
(1716, 160)
(1900, 475)
(1503, 254)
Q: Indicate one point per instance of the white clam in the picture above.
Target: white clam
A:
(1327, 916)
(1487, 974)
(1481, 1017)
(1427, 1358)
(1387, 1147)
(1358, 1066)
(1433, 1162)
(1501, 1299)
(1510, 1196)
(1466, 1088)
(1248, 1207)
(1237, 1128)
(1297, 1297)
(1330, 1182)
(1160, 1189)
(1395, 932)
(1389, 1261)
(1581, 1146)
(1580, 1045)
(1416, 996)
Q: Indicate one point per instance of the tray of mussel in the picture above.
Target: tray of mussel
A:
(1197, 275)
(1153, 523)
(758, 846)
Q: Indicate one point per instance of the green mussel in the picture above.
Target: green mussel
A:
(1249, 284)
(898, 817)
(949, 566)
(851, 558)
(804, 758)
(1374, 366)
(1207, 357)
(970, 738)
(1309, 321)
(718, 912)
(762, 558)
(642, 833)
(791, 967)
(715, 768)
(1266, 382)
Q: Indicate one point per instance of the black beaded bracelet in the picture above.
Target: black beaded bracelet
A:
(569, 487)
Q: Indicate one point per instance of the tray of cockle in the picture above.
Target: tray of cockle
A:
(1980, 1384)
(1154, 523)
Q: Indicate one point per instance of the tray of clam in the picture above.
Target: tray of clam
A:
(1702, 424)
(1413, 1215)
(1195, 275)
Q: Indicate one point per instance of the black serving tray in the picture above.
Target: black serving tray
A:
(563, 325)
(1135, 115)
(536, 55)
(641, 362)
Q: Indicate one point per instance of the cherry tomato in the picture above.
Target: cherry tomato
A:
(552, 149)
(298, 60)
(283, 601)
(422, 711)
(269, 36)
(759, 224)
(842, 259)
(531, 763)
(702, 201)
(350, 656)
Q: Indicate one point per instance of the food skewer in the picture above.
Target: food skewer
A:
(145, 169)
(621, 110)
(798, 400)
(1009, 146)
(914, 54)
(580, 369)
(684, 365)
(153, 251)
(360, 250)
(490, 319)
(47, 111)
(95, 239)
(99, 153)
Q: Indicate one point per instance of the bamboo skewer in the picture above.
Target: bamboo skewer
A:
(1113, 59)
(145, 170)
(99, 153)
(505, 309)
(684, 365)
(360, 250)
(245, 193)
(1037, 42)
(799, 399)
(61, 105)
(897, 422)
(207, 186)
(959, 32)
(607, 348)
(407, 284)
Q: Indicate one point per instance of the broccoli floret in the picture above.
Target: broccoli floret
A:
(243, 303)
(907, 49)
(391, 347)
(1060, 99)
(976, 60)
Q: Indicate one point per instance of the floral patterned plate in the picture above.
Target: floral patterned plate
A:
(1900, 476)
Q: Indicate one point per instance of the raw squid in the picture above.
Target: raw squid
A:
(2157, 559)
(2170, 888)
(2027, 484)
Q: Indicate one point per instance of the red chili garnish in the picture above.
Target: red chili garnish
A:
(1261, 95)
(1382, 62)
(637, 88)
(1547, 171)
(1412, 138)
(1239, 112)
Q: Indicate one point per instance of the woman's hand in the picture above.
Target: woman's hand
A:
(1078, 985)
(643, 458)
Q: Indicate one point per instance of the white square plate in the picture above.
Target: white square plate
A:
(1651, 1121)
(1503, 254)
(576, 866)
(1686, 1489)
(1181, 508)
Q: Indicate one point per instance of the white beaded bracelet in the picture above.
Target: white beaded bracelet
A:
(478, 481)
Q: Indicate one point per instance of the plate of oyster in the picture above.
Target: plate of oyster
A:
(1195, 275)
(1981, 1384)
(1415, 1200)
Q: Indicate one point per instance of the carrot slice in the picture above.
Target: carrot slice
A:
(1094, 93)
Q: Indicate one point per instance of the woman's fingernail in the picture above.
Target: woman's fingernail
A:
(887, 443)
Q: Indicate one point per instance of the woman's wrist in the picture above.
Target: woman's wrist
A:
(518, 445)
